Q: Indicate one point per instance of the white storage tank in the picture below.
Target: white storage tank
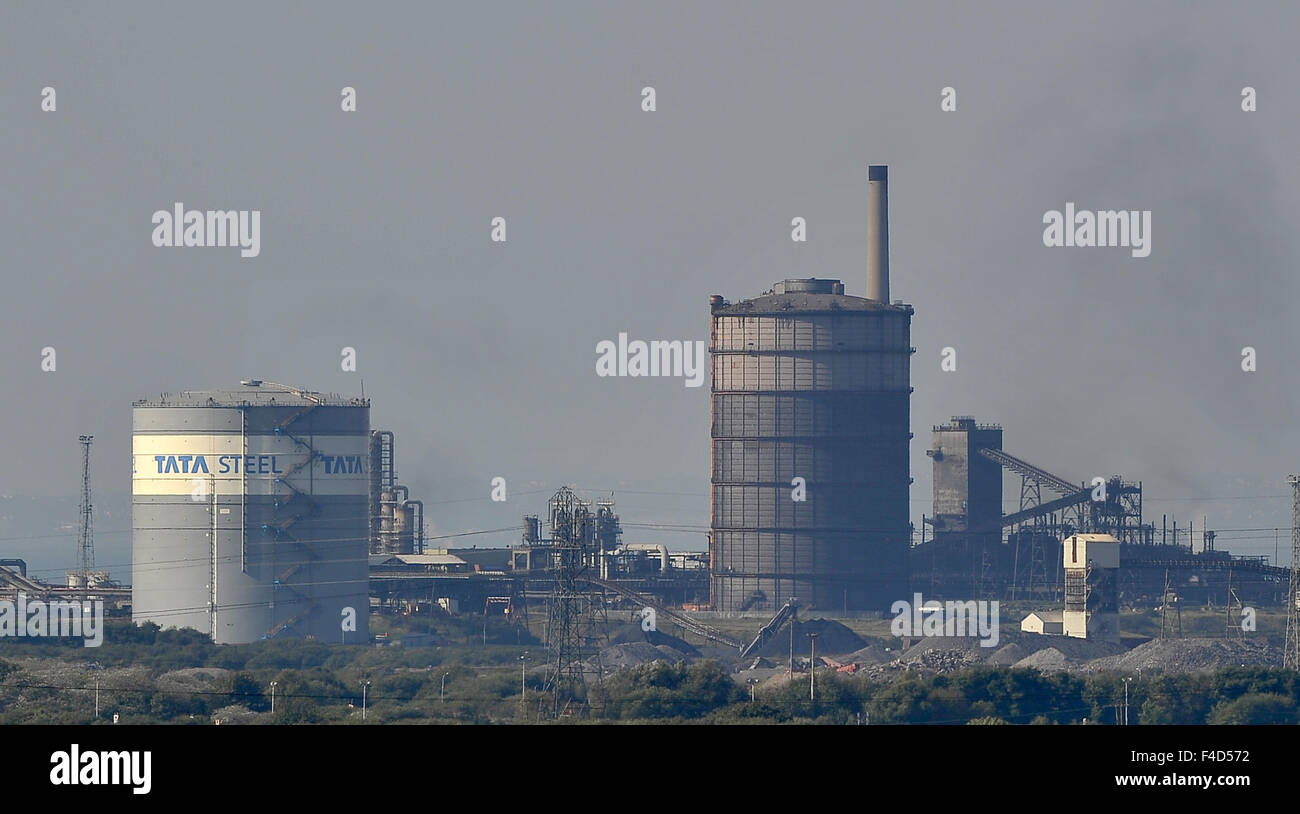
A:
(250, 513)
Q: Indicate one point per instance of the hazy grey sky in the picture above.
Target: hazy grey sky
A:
(480, 356)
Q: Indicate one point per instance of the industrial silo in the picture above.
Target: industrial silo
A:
(811, 383)
(967, 486)
(250, 513)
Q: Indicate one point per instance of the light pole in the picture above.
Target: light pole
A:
(96, 666)
(523, 688)
(1127, 679)
(442, 693)
(753, 682)
(273, 683)
(812, 669)
(364, 685)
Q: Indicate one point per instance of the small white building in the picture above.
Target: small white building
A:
(1050, 623)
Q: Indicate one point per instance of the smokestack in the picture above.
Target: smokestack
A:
(878, 233)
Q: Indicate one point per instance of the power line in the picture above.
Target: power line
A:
(205, 559)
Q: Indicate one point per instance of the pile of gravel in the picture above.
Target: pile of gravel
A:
(943, 644)
(626, 634)
(1048, 659)
(871, 654)
(1006, 655)
(1076, 651)
(631, 654)
(946, 661)
(1189, 656)
(833, 639)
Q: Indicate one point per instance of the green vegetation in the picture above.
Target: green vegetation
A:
(145, 675)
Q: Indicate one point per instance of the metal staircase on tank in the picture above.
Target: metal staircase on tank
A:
(305, 506)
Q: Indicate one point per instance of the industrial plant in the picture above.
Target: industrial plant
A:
(268, 511)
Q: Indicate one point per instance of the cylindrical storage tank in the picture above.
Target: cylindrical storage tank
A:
(250, 514)
(403, 529)
(388, 521)
(809, 383)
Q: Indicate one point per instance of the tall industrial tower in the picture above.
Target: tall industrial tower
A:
(1291, 652)
(810, 434)
(85, 535)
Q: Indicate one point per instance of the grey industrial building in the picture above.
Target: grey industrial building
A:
(809, 382)
(967, 485)
(250, 513)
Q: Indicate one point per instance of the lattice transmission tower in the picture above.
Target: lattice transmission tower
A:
(85, 530)
(576, 614)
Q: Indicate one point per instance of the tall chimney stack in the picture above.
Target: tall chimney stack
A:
(878, 233)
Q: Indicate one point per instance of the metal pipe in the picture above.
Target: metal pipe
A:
(878, 233)
(216, 563)
(662, 549)
(22, 565)
(419, 524)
